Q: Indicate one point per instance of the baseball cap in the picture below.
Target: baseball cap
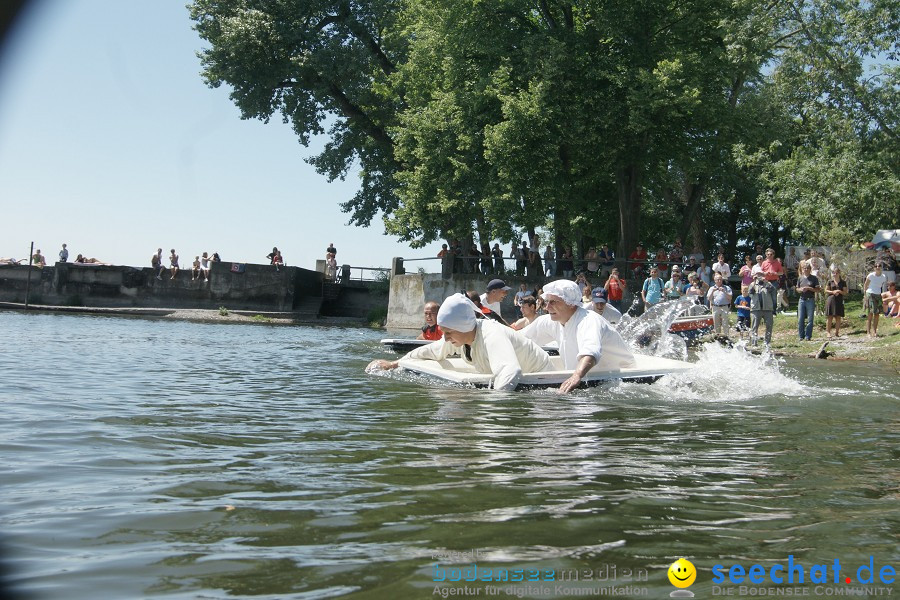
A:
(598, 295)
(497, 284)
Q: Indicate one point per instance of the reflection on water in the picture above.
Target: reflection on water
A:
(178, 460)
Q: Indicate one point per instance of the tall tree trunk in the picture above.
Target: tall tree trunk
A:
(629, 184)
(692, 219)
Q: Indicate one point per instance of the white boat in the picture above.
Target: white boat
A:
(647, 369)
(405, 345)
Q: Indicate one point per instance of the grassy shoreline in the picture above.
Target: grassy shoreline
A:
(851, 345)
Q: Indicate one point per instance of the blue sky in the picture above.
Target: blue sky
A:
(111, 142)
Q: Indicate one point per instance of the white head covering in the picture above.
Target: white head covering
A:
(457, 313)
(565, 289)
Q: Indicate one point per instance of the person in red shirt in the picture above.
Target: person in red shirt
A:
(615, 289)
(431, 331)
(773, 271)
(637, 260)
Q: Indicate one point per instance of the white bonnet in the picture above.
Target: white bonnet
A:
(565, 289)
(458, 313)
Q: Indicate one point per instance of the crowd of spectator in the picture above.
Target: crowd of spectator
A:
(757, 285)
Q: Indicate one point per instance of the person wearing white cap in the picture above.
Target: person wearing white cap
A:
(487, 345)
(582, 336)
(496, 292)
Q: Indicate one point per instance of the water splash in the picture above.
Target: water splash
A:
(732, 373)
(649, 333)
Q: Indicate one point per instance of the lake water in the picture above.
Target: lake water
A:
(161, 459)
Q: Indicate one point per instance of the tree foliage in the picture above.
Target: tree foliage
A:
(721, 121)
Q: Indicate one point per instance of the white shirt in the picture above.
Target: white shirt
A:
(494, 306)
(584, 334)
(875, 283)
(497, 349)
(611, 314)
(757, 268)
(720, 296)
(722, 268)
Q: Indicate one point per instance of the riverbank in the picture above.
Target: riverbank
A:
(221, 315)
(853, 344)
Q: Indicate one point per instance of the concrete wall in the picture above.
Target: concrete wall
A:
(257, 287)
(355, 299)
(410, 292)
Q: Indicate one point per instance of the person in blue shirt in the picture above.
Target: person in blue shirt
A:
(742, 303)
(651, 293)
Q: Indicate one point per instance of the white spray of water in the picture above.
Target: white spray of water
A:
(649, 333)
(724, 373)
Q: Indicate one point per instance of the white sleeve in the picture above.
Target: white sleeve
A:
(436, 350)
(503, 360)
(540, 331)
(588, 335)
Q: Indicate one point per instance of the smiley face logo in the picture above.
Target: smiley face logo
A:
(682, 573)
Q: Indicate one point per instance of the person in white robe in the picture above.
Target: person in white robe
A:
(485, 344)
(583, 337)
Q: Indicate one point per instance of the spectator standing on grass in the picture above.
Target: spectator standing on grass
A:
(742, 304)
(874, 286)
(835, 290)
(771, 266)
(63, 254)
(719, 297)
(762, 307)
(746, 271)
(807, 286)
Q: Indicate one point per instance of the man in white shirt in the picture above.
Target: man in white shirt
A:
(487, 345)
(719, 297)
(582, 336)
(600, 306)
(496, 292)
(721, 267)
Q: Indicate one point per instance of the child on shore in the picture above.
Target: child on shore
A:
(742, 303)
